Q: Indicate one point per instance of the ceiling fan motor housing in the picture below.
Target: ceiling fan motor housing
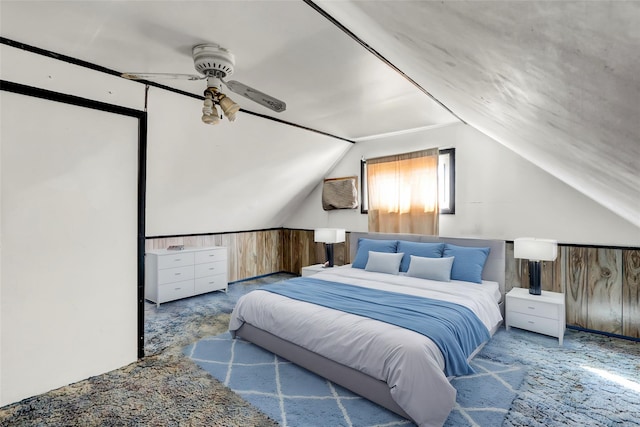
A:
(213, 60)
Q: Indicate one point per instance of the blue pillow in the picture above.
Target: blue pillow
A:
(468, 263)
(383, 262)
(366, 245)
(431, 268)
(427, 250)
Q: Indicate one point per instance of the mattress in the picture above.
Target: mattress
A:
(410, 363)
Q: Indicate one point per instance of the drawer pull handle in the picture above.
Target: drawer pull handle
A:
(177, 289)
(211, 283)
(531, 322)
(177, 274)
(531, 308)
(178, 259)
(212, 268)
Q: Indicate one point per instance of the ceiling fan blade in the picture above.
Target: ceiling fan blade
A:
(154, 76)
(256, 96)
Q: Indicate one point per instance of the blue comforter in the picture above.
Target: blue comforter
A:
(455, 329)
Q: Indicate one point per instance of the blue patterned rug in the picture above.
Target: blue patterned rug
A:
(294, 396)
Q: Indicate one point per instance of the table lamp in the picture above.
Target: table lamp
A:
(535, 250)
(329, 236)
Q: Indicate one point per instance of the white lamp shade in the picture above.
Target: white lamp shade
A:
(329, 235)
(535, 249)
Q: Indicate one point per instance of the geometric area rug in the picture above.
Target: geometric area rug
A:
(293, 396)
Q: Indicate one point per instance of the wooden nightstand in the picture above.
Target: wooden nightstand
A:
(311, 270)
(544, 314)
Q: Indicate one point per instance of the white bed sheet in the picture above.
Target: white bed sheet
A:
(410, 363)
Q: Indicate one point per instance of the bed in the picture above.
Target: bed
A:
(392, 363)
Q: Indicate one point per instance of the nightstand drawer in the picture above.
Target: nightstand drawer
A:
(537, 324)
(169, 275)
(535, 308)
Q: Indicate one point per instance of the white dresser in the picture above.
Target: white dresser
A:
(544, 314)
(171, 275)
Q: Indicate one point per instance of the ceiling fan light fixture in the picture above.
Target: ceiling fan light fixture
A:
(209, 110)
(210, 119)
(215, 63)
(229, 108)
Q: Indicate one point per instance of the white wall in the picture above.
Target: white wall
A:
(68, 278)
(498, 194)
(245, 175)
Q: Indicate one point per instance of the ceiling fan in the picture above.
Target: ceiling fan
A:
(215, 64)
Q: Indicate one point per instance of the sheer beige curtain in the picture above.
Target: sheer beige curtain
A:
(403, 193)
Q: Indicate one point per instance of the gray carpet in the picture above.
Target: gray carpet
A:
(592, 380)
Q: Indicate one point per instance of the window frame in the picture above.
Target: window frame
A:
(364, 195)
(451, 177)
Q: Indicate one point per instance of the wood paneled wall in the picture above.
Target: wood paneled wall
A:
(250, 254)
(300, 250)
(256, 253)
(601, 285)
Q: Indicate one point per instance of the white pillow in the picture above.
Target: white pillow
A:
(431, 268)
(382, 262)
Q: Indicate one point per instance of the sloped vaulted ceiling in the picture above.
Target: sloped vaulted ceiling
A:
(556, 82)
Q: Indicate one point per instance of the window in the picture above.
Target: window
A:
(446, 182)
(403, 193)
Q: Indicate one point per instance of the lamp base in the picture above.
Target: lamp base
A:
(329, 252)
(535, 271)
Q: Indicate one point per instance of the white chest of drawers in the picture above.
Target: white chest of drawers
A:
(544, 314)
(171, 275)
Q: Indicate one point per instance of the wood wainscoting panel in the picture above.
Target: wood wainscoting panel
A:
(604, 299)
(631, 293)
(269, 246)
(549, 277)
(300, 250)
(513, 269)
(249, 254)
(230, 241)
(574, 269)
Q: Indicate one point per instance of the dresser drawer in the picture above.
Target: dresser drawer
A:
(170, 275)
(179, 259)
(535, 308)
(211, 283)
(210, 268)
(211, 255)
(176, 290)
(537, 324)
